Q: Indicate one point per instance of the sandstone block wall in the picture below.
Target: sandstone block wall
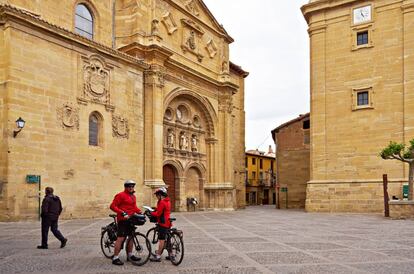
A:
(345, 138)
(42, 79)
(401, 209)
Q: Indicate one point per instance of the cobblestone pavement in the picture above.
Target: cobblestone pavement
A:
(255, 240)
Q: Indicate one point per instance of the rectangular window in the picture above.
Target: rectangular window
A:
(362, 98)
(245, 162)
(253, 175)
(261, 163)
(362, 38)
(306, 124)
(253, 161)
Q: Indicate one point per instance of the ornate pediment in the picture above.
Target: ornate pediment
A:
(192, 6)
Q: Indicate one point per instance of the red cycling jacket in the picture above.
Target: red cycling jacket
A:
(162, 212)
(124, 202)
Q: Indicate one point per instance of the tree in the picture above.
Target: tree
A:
(396, 151)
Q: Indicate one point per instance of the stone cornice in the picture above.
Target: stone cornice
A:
(310, 8)
(8, 12)
(407, 7)
(219, 186)
(356, 181)
(202, 76)
(317, 29)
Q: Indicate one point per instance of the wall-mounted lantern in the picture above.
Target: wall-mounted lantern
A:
(20, 125)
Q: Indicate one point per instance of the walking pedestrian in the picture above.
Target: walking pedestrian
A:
(51, 209)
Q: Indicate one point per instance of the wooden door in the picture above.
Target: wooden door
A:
(169, 179)
(266, 197)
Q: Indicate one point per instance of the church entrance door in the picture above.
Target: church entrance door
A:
(169, 179)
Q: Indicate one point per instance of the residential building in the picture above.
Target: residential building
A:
(293, 158)
(260, 177)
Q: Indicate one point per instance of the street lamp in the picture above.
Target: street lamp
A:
(20, 125)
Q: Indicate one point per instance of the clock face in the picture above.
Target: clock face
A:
(362, 14)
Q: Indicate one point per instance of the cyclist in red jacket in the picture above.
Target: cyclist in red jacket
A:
(163, 219)
(125, 205)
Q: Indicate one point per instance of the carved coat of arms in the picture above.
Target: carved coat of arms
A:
(120, 127)
(68, 116)
(96, 79)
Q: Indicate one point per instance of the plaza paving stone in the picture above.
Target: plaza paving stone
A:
(255, 240)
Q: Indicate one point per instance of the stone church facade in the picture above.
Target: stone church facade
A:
(113, 90)
(362, 90)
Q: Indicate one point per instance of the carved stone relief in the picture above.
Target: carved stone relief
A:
(226, 103)
(184, 131)
(170, 138)
(68, 116)
(192, 34)
(183, 141)
(169, 23)
(211, 48)
(191, 6)
(194, 146)
(96, 82)
(154, 27)
(155, 75)
(225, 66)
(120, 127)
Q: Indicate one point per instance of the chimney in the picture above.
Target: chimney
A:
(270, 149)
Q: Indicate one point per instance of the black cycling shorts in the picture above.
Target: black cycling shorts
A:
(124, 228)
(162, 233)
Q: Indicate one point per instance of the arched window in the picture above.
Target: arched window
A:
(95, 129)
(83, 21)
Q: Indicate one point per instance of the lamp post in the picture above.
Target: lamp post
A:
(20, 125)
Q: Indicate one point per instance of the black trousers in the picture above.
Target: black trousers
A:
(53, 224)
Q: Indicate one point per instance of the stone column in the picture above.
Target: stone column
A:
(211, 160)
(181, 193)
(153, 128)
(225, 137)
(317, 35)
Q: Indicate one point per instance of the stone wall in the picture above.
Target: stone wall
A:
(346, 138)
(46, 87)
(352, 196)
(292, 154)
(401, 209)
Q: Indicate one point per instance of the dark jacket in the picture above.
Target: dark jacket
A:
(124, 202)
(163, 212)
(51, 207)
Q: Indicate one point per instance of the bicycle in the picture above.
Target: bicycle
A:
(140, 250)
(174, 242)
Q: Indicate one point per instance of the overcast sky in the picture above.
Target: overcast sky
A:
(271, 43)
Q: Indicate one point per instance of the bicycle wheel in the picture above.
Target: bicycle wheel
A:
(176, 248)
(107, 245)
(152, 236)
(141, 248)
